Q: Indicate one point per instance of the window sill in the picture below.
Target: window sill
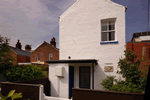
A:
(109, 42)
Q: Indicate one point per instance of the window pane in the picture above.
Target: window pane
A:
(111, 26)
(104, 36)
(50, 56)
(111, 36)
(104, 27)
(38, 57)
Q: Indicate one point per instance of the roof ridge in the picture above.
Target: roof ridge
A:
(19, 49)
(50, 45)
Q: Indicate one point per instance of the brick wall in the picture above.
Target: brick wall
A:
(137, 47)
(14, 55)
(44, 50)
(21, 58)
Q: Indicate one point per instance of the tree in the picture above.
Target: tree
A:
(5, 57)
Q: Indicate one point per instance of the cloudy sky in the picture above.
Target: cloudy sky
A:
(36, 21)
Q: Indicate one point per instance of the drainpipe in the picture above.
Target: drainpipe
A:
(92, 75)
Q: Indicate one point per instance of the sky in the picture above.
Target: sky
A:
(36, 21)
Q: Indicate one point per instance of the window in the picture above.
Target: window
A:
(107, 30)
(51, 56)
(38, 57)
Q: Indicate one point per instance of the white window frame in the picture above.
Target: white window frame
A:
(51, 57)
(107, 21)
(38, 57)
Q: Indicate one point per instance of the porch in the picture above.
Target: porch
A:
(67, 74)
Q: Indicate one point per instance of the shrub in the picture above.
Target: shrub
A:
(44, 68)
(129, 70)
(23, 72)
(126, 88)
(108, 82)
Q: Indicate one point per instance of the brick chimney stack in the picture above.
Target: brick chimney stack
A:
(18, 45)
(28, 47)
(52, 42)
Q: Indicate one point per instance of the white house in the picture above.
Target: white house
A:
(91, 41)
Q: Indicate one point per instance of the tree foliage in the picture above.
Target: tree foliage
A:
(129, 70)
(23, 72)
(5, 57)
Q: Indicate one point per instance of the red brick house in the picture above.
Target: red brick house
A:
(45, 52)
(140, 44)
(20, 56)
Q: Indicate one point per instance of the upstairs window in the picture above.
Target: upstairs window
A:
(51, 56)
(107, 30)
(38, 57)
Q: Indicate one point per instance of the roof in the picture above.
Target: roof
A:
(46, 43)
(51, 46)
(20, 52)
(139, 34)
(73, 61)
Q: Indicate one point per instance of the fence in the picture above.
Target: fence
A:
(44, 81)
(88, 94)
(29, 91)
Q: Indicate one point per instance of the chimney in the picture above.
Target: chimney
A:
(28, 47)
(52, 42)
(18, 45)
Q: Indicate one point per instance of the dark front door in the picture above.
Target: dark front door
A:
(84, 77)
(71, 80)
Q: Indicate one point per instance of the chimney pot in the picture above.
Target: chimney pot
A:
(28, 47)
(18, 45)
(52, 42)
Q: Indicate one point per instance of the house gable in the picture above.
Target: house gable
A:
(44, 50)
(14, 55)
(86, 2)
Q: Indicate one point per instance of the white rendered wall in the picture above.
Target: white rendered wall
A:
(59, 86)
(80, 35)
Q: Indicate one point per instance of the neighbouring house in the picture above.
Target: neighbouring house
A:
(20, 56)
(45, 52)
(140, 44)
(91, 41)
(141, 37)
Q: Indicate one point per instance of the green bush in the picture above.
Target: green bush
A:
(108, 82)
(44, 68)
(129, 70)
(23, 72)
(4, 67)
(126, 88)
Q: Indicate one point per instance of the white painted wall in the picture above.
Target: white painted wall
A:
(80, 34)
(59, 86)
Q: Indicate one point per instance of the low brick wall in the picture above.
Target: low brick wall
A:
(44, 81)
(90, 94)
(29, 91)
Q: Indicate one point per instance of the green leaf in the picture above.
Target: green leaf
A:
(16, 95)
(11, 93)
